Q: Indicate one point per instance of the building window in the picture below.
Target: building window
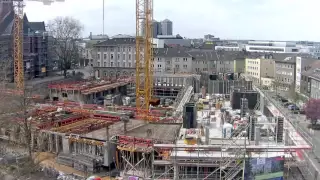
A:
(98, 63)
(118, 56)
(124, 57)
(111, 56)
(185, 59)
(124, 64)
(177, 65)
(111, 64)
(129, 64)
(98, 56)
(185, 66)
(129, 49)
(177, 59)
(159, 65)
(111, 49)
(118, 49)
(129, 57)
(104, 56)
(118, 64)
(159, 60)
(105, 64)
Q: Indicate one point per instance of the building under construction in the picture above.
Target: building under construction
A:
(197, 136)
(35, 44)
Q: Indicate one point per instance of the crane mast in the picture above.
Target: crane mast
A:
(18, 45)
(144, 56)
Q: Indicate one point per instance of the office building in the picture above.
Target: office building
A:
(272, 47)
(260, 68)
(166, 27)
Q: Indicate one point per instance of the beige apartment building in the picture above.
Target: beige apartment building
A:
(260, 68)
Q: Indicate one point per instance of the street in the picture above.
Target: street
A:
(301, 124)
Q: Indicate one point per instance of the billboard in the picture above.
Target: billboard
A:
(264, 168)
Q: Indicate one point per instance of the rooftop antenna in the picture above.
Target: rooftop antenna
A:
(103, 17)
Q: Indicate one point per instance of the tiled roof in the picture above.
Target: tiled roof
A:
(216, 55)
(6, 25)
(170, 52)
(117, 41)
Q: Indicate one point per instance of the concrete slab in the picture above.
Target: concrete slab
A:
(115, 129)
(162, 132)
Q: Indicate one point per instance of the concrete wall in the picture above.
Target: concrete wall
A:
(225, 87)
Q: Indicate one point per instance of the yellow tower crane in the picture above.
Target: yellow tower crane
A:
(144, 56)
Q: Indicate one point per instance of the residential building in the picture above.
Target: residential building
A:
(116, 57)
(285, 68)
(272, 47)
(114, 53)
(260, 68)
(166, 27)
(309, 85)
(311, 81)
(35, 44)
(172, 60)
(87, 53)
(289, 69)
(210, 61)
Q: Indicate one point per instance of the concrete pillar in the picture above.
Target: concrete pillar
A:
(106, 154)
(65, 145)
(57, 142)
(175, 172)
(39, 143)
(262, 104)
(50, 142)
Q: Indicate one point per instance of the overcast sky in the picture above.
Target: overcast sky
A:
(228, 19)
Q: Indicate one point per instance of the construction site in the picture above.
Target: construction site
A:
(151, 126)
(197, 136)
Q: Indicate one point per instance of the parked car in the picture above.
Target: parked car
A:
(284, 100)
(287, 104)
(293, 107)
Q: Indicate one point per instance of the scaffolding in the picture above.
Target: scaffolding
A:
(136, 156)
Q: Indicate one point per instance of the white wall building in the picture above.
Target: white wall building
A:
(272, 47)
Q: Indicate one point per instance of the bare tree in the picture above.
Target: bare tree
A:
(66, 31)
(276, 84)
(293, 95)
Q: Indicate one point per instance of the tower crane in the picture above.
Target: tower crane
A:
(144, 56)
(18, 39)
